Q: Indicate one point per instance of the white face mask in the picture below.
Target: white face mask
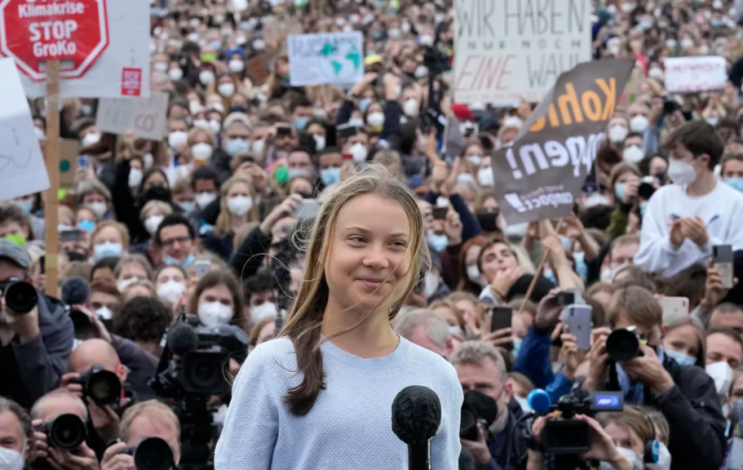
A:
(236, 66)
(473, 274)
(171, 291)
(214, 314)
(99, 208)
(664, 459)
(656, 73)
(90, 139)
(206, 77)
(485, 177)
(682, 173)
(148, 160)
(630, 455)
(226, 89)
(175, 74)
(204, 199)
(104, 313)
(124, 283)
(359, 152)
(258, 146)
(152, 223)
(633, 154)
(177, 138)
(11, 460)
(617, 134)
(202, 151)
(722, 374)
(266, 309)
(430, 284)
(135, 177)
(375, 119)
(410, 108)
(639, 123)
(240, 205)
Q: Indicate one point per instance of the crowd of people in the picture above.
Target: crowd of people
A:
(213, 227)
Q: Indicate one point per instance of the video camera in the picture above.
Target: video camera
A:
(103, 386)
(66, 432)
(20, 296)
(566, 435)
(151, 453)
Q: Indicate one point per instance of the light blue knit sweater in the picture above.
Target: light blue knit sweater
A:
(350, 425)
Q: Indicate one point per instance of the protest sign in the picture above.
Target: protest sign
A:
(695, 74)
(97, 68)
(330, 58)
(512, 50)
(22, 169)
(144, 116)
(540, 175)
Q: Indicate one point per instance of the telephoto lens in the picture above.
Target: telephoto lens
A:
(622, 345)
(20, 296)
(65, 432)
(152, 453)
(477, 408)
(103, 386)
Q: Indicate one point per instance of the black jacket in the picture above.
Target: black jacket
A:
(248, 258)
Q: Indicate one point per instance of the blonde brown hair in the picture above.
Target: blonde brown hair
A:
(304, 322)
(121, 228)
(224, 221)
(638, 304)
(150, 407)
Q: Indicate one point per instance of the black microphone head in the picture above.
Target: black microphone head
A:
(416, 414)
(182, 339)
(75, 290)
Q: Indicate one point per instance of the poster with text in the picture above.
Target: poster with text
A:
(695, 74)
(22, 168)
(145, 117)
(330, 58)
(509, 50)
(542, 173)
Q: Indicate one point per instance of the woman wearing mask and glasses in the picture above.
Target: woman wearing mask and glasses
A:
(237, 208)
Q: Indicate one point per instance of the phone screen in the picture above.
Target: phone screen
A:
(307, 209)
(501, 318)
(439, 213)
(722, 256)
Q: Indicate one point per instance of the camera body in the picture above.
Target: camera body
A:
(624, 344)
(101, 385)
(66, 432)
(20, 296)
(152, 453)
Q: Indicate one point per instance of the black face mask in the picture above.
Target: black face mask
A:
(489, 221)
(157, 193)
(305, 195)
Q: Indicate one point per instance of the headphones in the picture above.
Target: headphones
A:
(651, 448)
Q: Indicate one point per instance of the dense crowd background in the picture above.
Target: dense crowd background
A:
(207, 225)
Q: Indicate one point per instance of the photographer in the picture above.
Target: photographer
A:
(685, 395)
(482, 373)
(35, 346)
(143, 420)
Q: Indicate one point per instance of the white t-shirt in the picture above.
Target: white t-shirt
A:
(721, 210)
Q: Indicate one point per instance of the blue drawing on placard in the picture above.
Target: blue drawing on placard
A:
(20, 156)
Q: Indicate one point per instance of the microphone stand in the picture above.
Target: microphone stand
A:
(419, 456)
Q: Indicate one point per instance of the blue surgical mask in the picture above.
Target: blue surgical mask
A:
(565, 242)
(465, 178)
(330, 176)
(187, 206)
(108, 249)
(296, 172)
(86, 225)
(715, 23)
(644, 205)
(455, 330)
(580, 264)
(681, 358)
(235, 146)
(300, 123)
(170, 261)
(25, 205)
(712, 121)
(735, 183)
(217, 45)
(364, 103)
(438, 242)
(619, 191)
(517, 342)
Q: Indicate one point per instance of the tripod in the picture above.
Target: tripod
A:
(196, 433)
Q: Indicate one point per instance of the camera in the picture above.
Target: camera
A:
(151, 453)
(20, 296)
(567, 435)
(624, 344)
(66, 432)
(101, 385)
(477, 408)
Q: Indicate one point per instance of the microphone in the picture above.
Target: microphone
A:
(75, 291)
(416, 415)
(182, 339)
(539, 400)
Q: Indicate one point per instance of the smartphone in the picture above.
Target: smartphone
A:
(565, 298)
(283, 131)
(83, 161)
(42, 264)
(346, 130)
(501, 318)
(439, 213)
(202, 267)
(646, 189)
(307, 209)
(578, 319)
(676, 306)
(722, 256)
(70, 236)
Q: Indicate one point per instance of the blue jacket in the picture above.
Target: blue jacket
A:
(470, 225)
(534, 362)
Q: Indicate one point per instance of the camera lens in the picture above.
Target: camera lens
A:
(203, 373)
(104, 387)
(153, 453)
(67, 432)
(622, 345)
(468, 423)
(21, 297)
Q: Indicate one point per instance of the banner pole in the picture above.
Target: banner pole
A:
(538, 272)
(52, 166)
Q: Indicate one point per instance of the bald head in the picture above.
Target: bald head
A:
(58, 402)
(92, 352)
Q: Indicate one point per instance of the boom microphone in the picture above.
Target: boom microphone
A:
(75, 291)
(182, 339)
(416, 415)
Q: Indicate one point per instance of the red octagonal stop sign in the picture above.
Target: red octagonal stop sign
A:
(34, 31)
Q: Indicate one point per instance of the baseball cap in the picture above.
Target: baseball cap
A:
(15, 253)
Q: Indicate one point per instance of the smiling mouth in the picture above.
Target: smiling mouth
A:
(371, 283)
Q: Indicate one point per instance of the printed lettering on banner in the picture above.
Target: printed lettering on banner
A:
(695, 74)
(145, 117)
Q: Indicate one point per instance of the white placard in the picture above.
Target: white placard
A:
(125, 65)
(22, 169)
(144, 116)
(319, 59)
(694, 74)
(510, 50)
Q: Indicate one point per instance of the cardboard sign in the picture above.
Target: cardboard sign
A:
(144, 116)
(330, 58)
(22, 169)
(542, 173)
(695, 74)
(128, 48)
(67, 163)
(516, 49)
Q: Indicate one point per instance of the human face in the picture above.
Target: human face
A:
(205, 186)
(104, 274)
(722, 348)
(635, 140)
(651, 332)
(733, 169)
(368, 253)
(132, 271)
(623, 254)
(11, 432)
(484, 378)
(267, 332)
(300, 161)
(732, 320)
(136, 291)
(300, 185)
(331, 160)
(419, 336)
(683, 339)
(681, 153)
(259, 298)
(736, 390)
(219, 294)
(427, 213)
(237, 131)
(156, 179)
(149, 424)
(489, 205)
(176, 242)
(497, 257)
(170, 274)
(238, 189)
(625, 437)
(59, 405)
(100, 299)
(658, 165)
(12, 228)
(108, 235)
(468, 309)
(90, 198)
(184, 196)
(448, 316)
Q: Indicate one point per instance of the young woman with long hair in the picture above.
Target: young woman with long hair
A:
(320, 395)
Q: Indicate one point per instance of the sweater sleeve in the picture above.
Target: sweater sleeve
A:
(534, 359)
(619, 220)
(344, 113)
(251, 426)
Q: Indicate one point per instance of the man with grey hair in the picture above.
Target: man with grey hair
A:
(483, 375)
(427, 330)
(15, 431)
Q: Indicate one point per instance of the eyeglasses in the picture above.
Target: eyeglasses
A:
(173, 241)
